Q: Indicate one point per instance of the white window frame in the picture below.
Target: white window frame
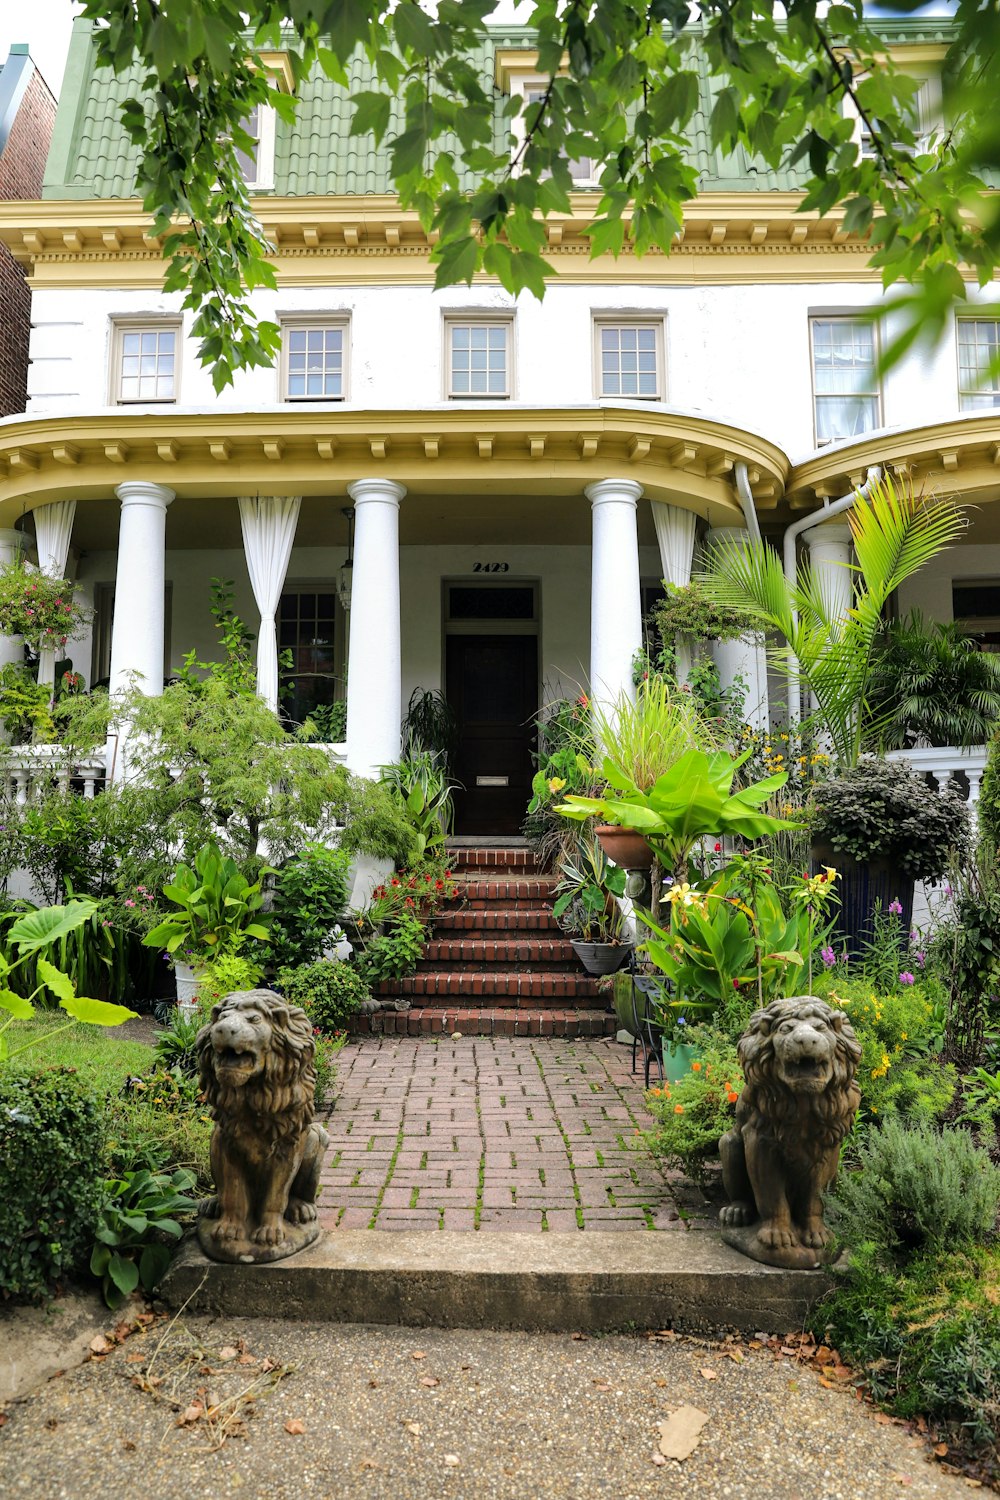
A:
(929, 102)
(263, 159)
(977, 399)
(653, 321)
(298, 321)
(119, 328)
(476, 318)
(848, 316)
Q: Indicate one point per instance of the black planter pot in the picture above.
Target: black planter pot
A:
(864, 889)
(602, 958)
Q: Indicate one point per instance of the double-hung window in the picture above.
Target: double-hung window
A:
(314, 359)
(978, 350)
(845, 389)
(478, 358)
(629, 359)
(145, 362)
(257, 162)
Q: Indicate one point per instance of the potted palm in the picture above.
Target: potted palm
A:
(216, 911)
(587, 907)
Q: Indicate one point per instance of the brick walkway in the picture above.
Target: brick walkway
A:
(495, 1133)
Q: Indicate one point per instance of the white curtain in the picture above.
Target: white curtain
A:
(675, 530)
(268, 523)
(53, 529)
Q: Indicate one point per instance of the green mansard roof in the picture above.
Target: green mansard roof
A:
(92, 158)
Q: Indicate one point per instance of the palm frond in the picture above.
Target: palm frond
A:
(896, 531)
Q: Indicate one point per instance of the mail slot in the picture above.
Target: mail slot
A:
(492, 781)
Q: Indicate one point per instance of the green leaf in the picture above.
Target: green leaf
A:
(124, 1273)
(20, 1008)
(152, 1264)
(371, 113)
(97, 1012)
(39, 929)
(55, 980)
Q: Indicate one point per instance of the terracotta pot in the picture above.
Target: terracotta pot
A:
(601, 958)
(628, 849)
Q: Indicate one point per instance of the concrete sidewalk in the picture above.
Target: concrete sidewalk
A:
(489, 1133)
(402, 1414)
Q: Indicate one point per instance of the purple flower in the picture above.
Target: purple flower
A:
(921, 959)
(828, 956)
(896, 907)
(906, 977)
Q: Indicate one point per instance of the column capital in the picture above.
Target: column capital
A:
(831, 533)
(144, 492)
(738, 534)
(624, 491)
(363, 491)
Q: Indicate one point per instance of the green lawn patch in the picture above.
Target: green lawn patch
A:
(103, 1059)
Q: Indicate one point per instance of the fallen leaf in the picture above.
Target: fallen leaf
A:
(228, 1352)
(134, 1359)
(974, 1484)
(842, 1372)
(708, 1374)
(295, 1426)
(451, 1459)
(736, 1355)
(190, 1414)
(823, 1355)
(268, 1364)
(247, 1359)
(882, 1419)
(902, 1478)
(99, 1344)
(680, 1433)
(430, 1381)
(373, 1385)
(128, 1446)
(418, 1354)
(940, 1449)
(827, 1384)
(579, 1337)
(793, 1353)
(659, 1382)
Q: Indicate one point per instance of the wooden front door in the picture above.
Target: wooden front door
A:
(492, 685)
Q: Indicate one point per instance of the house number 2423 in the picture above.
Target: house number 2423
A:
(490, 567)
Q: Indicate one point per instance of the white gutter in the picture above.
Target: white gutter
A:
(745, 497)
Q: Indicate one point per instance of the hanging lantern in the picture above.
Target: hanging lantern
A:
(345, 573)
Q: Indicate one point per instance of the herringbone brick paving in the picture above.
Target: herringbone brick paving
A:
(495, 1133)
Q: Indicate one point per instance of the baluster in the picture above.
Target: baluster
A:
(88, 786)
(21, 787)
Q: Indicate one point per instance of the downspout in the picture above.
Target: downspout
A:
(805, 523)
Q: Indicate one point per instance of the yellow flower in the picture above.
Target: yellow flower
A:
(556, 784)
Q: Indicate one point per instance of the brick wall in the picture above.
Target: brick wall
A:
(21, 167)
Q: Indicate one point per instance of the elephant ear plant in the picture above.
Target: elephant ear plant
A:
(216, 907)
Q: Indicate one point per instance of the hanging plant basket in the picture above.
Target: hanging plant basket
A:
(627, 848)
(40, 609)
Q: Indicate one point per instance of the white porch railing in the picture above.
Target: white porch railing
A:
(947, 764)
(27, 766)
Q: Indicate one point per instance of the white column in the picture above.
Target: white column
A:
(11, 646)
(137, 628)
(829, 559)
(743, 657)
(615, 595)
(374, 678)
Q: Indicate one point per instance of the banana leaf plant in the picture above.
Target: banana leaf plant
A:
(691, 801)
(33, 935)
(216, 908)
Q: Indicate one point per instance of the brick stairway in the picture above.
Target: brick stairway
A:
(496, 963)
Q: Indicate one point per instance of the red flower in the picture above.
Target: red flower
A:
(718, 848)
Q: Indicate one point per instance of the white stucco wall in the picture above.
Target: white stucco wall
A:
(737, 353)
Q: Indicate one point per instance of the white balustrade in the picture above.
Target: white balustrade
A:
(30, 768)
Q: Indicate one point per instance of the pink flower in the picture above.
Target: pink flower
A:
(828, 956)
(906, 977)
(896, 907)
(129, 903)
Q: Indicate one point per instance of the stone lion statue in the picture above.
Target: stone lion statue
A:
(798, 1103)
(255, 1059)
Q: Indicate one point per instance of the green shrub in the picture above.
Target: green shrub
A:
(392, 954)
(900, 1032)
(51, 1165)
(159, 1122)
(330, 993)
(916, 1188)
(309, 896)
(883, 810)
(693, 1113)
(376, 825)
(140, 1216)
(928, 1337)
(225, 975)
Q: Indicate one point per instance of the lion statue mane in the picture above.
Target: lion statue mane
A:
(256, 1064)
(799, 1057)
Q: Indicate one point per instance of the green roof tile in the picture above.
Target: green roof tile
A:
(91, 157)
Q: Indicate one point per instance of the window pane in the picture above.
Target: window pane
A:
(629, 363)
(315, 362)
(978, 347)
(844, 416)
(844, 382)
(478, 357)
(146, 364)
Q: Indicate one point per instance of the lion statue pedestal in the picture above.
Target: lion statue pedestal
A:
(798, 1104)
(255, 1059)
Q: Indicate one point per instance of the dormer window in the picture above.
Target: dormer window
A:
(517, 74)
(257, 164)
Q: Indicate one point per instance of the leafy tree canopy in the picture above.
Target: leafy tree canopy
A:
(622, 89)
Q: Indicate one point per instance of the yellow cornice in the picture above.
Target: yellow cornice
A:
(958, 457)
(728, 238)
(451, 450)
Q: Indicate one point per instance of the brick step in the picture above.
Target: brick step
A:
(491, 858)
(526, 989)
(499, 892)
(509, 952)
(441, 1020)
(476, 923)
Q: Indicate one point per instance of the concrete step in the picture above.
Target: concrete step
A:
(442, 1019)
(507, 952)
(526, 988)
(558, 1282)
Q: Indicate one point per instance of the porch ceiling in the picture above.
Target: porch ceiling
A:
(475, 466)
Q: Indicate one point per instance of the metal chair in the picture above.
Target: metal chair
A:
(647, 1032)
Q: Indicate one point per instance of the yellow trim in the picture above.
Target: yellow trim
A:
(490, 450)
(280, 68)
(958, 457)
(727, 239)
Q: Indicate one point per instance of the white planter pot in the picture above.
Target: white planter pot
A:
(187, 984)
